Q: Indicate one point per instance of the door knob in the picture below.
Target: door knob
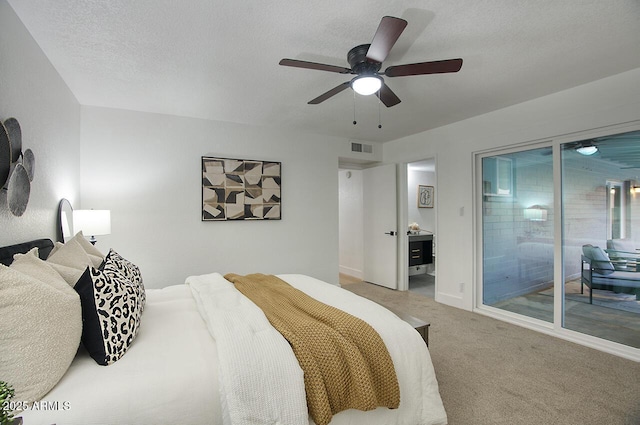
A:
(392, 233)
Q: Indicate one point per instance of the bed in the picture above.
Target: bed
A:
(181, 369)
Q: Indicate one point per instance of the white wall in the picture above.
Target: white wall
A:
(425, 217)
(49, 115)
(609, 101)
(351, 231)
(146, 168)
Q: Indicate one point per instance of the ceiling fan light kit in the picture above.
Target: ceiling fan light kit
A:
(366, 60)
(366, 84)
(586, 150)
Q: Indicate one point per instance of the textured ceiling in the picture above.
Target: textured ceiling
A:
(219, 59)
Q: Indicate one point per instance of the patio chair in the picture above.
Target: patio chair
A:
(624, 254)
(600, 272)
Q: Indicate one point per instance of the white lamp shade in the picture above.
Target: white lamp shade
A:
(92, 222)
(366, 85)
(535, 214)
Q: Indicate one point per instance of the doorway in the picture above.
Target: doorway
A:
(618, 194)
(421, 219)
(368, 225)
(417, 197)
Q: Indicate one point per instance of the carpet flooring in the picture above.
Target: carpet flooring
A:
(494, 373)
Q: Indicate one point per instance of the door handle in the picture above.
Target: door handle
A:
(392, 233)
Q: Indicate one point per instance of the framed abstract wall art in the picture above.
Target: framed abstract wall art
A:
(425, 196)
(240, 189)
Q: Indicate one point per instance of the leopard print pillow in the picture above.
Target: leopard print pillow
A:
(110, 313)
(115, 264)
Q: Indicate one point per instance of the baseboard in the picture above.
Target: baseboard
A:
(351, 272)
(450, 300)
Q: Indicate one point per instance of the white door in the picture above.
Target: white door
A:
(380, 225)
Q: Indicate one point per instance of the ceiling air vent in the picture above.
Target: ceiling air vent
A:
(361, 147)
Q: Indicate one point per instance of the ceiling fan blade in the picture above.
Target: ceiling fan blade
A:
(330, 93)
(387, 96)
(434, 67)
(386, 36)
(313, 65)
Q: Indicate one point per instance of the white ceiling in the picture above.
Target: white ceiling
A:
(218, 60)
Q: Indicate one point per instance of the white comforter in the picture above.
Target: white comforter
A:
(260, 377)
(169, 375)
(172, 373)
(241, 325)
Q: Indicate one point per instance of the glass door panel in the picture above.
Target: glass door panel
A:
(601, 238)
(517, 226)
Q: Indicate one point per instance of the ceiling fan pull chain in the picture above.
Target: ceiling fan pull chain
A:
(379, 114)
(354, 108)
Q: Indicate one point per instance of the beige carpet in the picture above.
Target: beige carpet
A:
(493, 373)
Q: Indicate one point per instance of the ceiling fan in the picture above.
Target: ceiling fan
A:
(366, 60)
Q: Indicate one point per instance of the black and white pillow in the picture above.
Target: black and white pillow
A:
(116, 265)
(110, 314)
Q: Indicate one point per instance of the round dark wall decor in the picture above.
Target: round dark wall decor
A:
(5, 156)
(29, 163)
(17, 169)
(18, 190)
(15, 135)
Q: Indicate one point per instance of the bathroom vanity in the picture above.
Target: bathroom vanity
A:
(420, 253)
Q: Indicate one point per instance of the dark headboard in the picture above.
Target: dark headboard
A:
(44, 248)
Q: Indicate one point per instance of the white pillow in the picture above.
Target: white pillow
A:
(39, 332)
(31, 264)
(94, 254)
(70, 260)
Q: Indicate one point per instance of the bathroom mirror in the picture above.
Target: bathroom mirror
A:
(65, 221)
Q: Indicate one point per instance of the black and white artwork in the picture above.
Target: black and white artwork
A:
(425, 196)
(240, 189)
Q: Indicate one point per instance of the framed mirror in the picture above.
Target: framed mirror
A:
(65, 221)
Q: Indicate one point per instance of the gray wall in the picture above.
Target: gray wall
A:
(33, 92)
(145, 168)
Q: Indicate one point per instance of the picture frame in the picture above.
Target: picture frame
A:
(425, 196)
(240, 189)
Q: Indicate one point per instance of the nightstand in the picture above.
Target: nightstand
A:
(420, 326)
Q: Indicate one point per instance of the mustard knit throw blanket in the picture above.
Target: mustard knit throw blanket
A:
(344, 360)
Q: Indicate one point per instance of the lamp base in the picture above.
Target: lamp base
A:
(93, 240)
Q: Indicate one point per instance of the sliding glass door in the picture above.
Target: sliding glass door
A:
(601, 226)
(595, 185)
(517, 223)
